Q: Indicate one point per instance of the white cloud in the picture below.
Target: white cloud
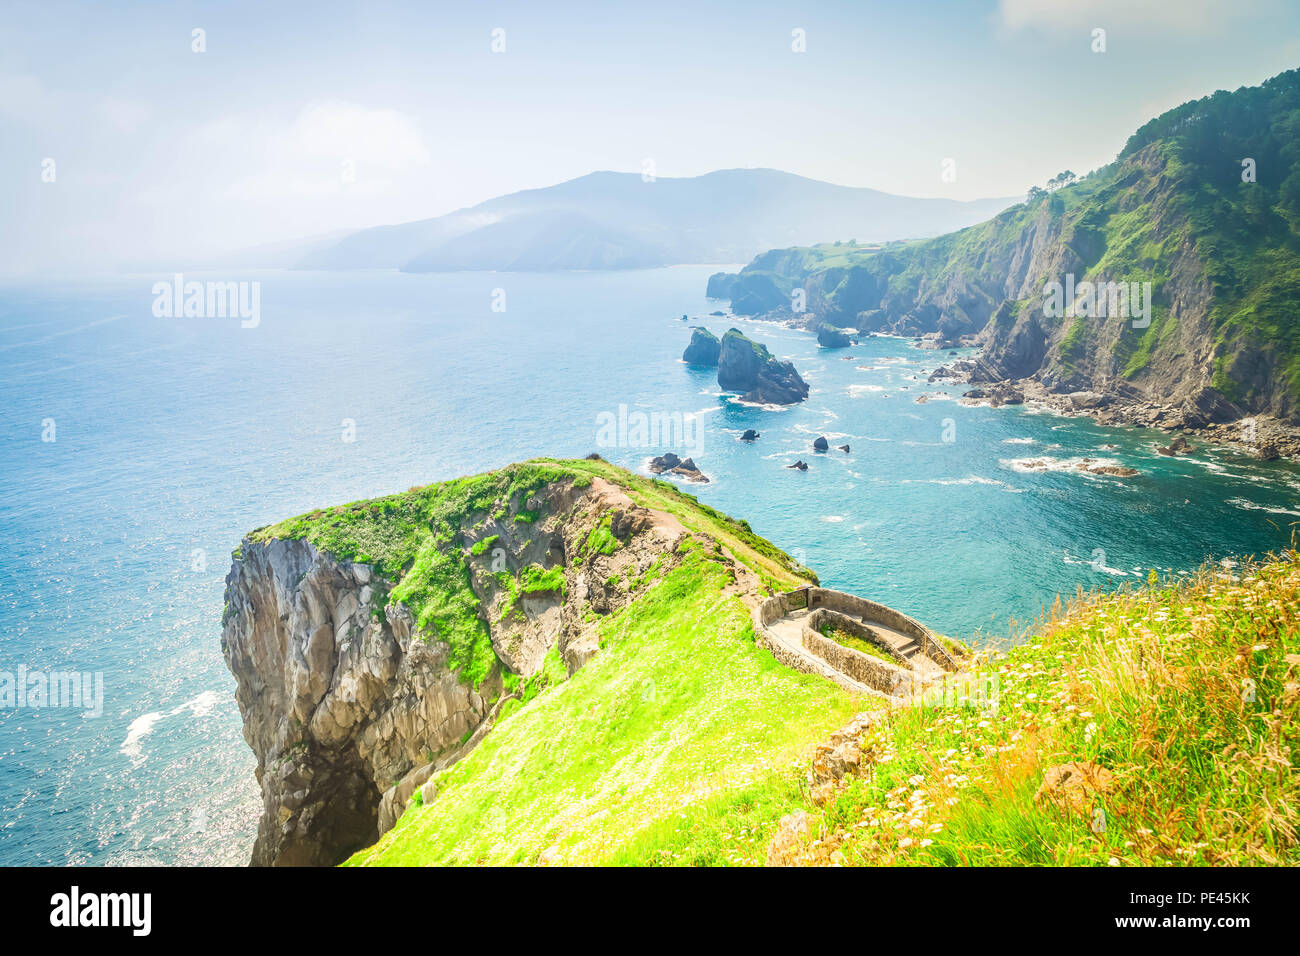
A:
(331, 147)
(1183, 16)
(124, 115)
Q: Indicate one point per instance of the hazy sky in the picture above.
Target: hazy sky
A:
(301, 119)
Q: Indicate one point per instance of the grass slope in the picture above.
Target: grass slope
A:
(1187, 695)
(678, 704)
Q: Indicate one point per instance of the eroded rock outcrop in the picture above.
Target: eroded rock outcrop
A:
(830, 337)
(350, 706)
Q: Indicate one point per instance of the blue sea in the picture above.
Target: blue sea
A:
(173, 436)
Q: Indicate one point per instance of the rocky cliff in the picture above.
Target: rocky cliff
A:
(1196, 224)
(374, 644)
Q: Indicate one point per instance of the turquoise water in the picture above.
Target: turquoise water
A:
(175, 436)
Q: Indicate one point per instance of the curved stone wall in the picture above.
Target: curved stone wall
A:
(851, 669)
(881, 614)
(875, 673)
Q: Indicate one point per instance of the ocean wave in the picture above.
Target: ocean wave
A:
(136, 731)
(1098, 566)
(1245, 505)
(203, 705)
(1039, 464)
(968, 480)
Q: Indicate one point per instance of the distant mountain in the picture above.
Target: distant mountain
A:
(610, 220)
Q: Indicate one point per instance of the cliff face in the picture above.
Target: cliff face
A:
(1178, 216)
(354, 684)
(339, 695)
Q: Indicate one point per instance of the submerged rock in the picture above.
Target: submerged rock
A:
(800, 465)
(1178, 446)
(1267, 451)
(844, 448)
(1119, 471)
(750, 435)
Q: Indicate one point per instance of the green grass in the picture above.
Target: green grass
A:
(601, 540)
(1188, 695)
(536, 580)
(1171, 210)
(414, 539)
(775, 568)
(679, 705)
(845, 639)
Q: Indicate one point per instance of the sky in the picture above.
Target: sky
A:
(121, 143)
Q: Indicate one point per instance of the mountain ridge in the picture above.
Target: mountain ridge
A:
(608, 219)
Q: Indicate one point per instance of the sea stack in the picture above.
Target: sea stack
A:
(747, 367)
(829, 337)
(703, 348)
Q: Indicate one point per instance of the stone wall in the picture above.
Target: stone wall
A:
(870, 610)
(877, 674)
(824, 617)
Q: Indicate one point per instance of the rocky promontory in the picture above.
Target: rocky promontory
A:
(375, 644)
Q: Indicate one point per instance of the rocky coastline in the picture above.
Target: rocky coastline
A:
(1262, 436)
